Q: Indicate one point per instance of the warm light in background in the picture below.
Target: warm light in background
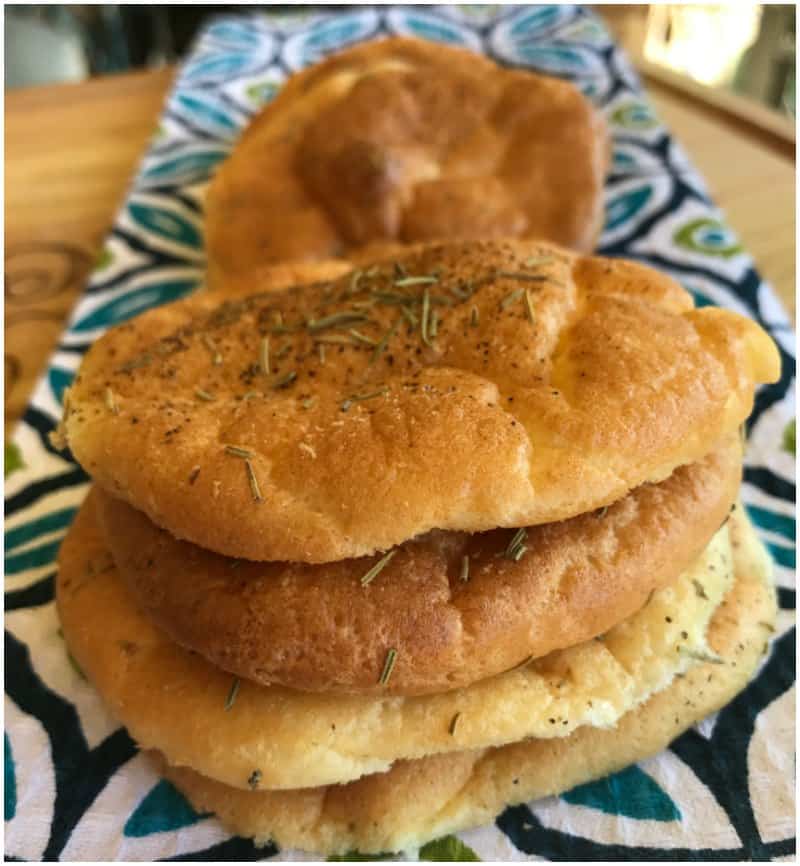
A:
(704, 41)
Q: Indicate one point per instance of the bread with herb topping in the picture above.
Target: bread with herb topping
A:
(405, 140)
(224, 727)
(464, 386)
(456, 608)
(192, 711)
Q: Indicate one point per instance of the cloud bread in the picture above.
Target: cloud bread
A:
(316, 627)
(175, 701)
(420, 800)
(405, 140)
(465, 386)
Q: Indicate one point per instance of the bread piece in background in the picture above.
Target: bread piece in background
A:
(403, 140)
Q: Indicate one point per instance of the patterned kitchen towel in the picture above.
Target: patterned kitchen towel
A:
(76, 787)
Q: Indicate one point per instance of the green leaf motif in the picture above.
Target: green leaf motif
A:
(709, 237)
(164, 808)
(634, 115)
(789, 435)
(631, 793)
(262, 92)
(357, 857)
(14, 459)
(447, 849)
(104, 258)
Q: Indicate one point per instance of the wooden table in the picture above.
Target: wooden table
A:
(71, 150)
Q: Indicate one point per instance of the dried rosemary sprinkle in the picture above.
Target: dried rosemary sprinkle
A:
(409, 315)
(321, 352)
(308, 402)
(336, 320)
(380, 348)
(334, 338)
(354, 281)
(251, 395)
(536, 261)
(434, 324)
(285, 380)
(529, 306)
(417, 281)
(519, 275)
(700, 656)
(768, 626)
(378, 392)
(362, 338)
(232, 694)
(426, 309)
(283, 351)
(110, 401)
(603, 511)
(193, 474)
(254, 779)
(388, 666)
(699, 588)
(264, 356)
(473, 317)
(251, 477)
(453, 722)
(216, 358)
(464, 569)
(203, 395)
(517, 547)
(377, 568)
(511, 298)
(238, 451)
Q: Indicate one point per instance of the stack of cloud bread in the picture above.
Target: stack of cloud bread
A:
(372, 555)
(403, 140)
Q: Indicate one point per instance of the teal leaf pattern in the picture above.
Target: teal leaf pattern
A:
(447, 849)
(60, 380)
(625, 206)
(164, 808)
(185, 168)
(631, 793)
(165, 223)
(9, 781)
(47, 523)
(131, 304)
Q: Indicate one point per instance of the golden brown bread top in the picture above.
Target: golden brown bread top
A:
(174, 700)
(534, 385)
(317, 627)
(404, 140)
(421, 800)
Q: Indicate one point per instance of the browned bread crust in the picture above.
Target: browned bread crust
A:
(420, 800)
(316, 627)
(405, 140)
(545, 385)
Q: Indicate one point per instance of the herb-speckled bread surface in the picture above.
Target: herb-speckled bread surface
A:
(465, 386)
(330, 627)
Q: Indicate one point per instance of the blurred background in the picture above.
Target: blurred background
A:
(745, 48)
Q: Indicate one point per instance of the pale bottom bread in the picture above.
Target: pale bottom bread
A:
(419, 800)
(177, 702)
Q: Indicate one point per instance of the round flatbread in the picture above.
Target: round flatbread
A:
(237, 731)
(452, 621)
(465, 387)
(406, 140)
(420, 800)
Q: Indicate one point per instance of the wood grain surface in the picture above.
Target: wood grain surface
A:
(71, 150)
